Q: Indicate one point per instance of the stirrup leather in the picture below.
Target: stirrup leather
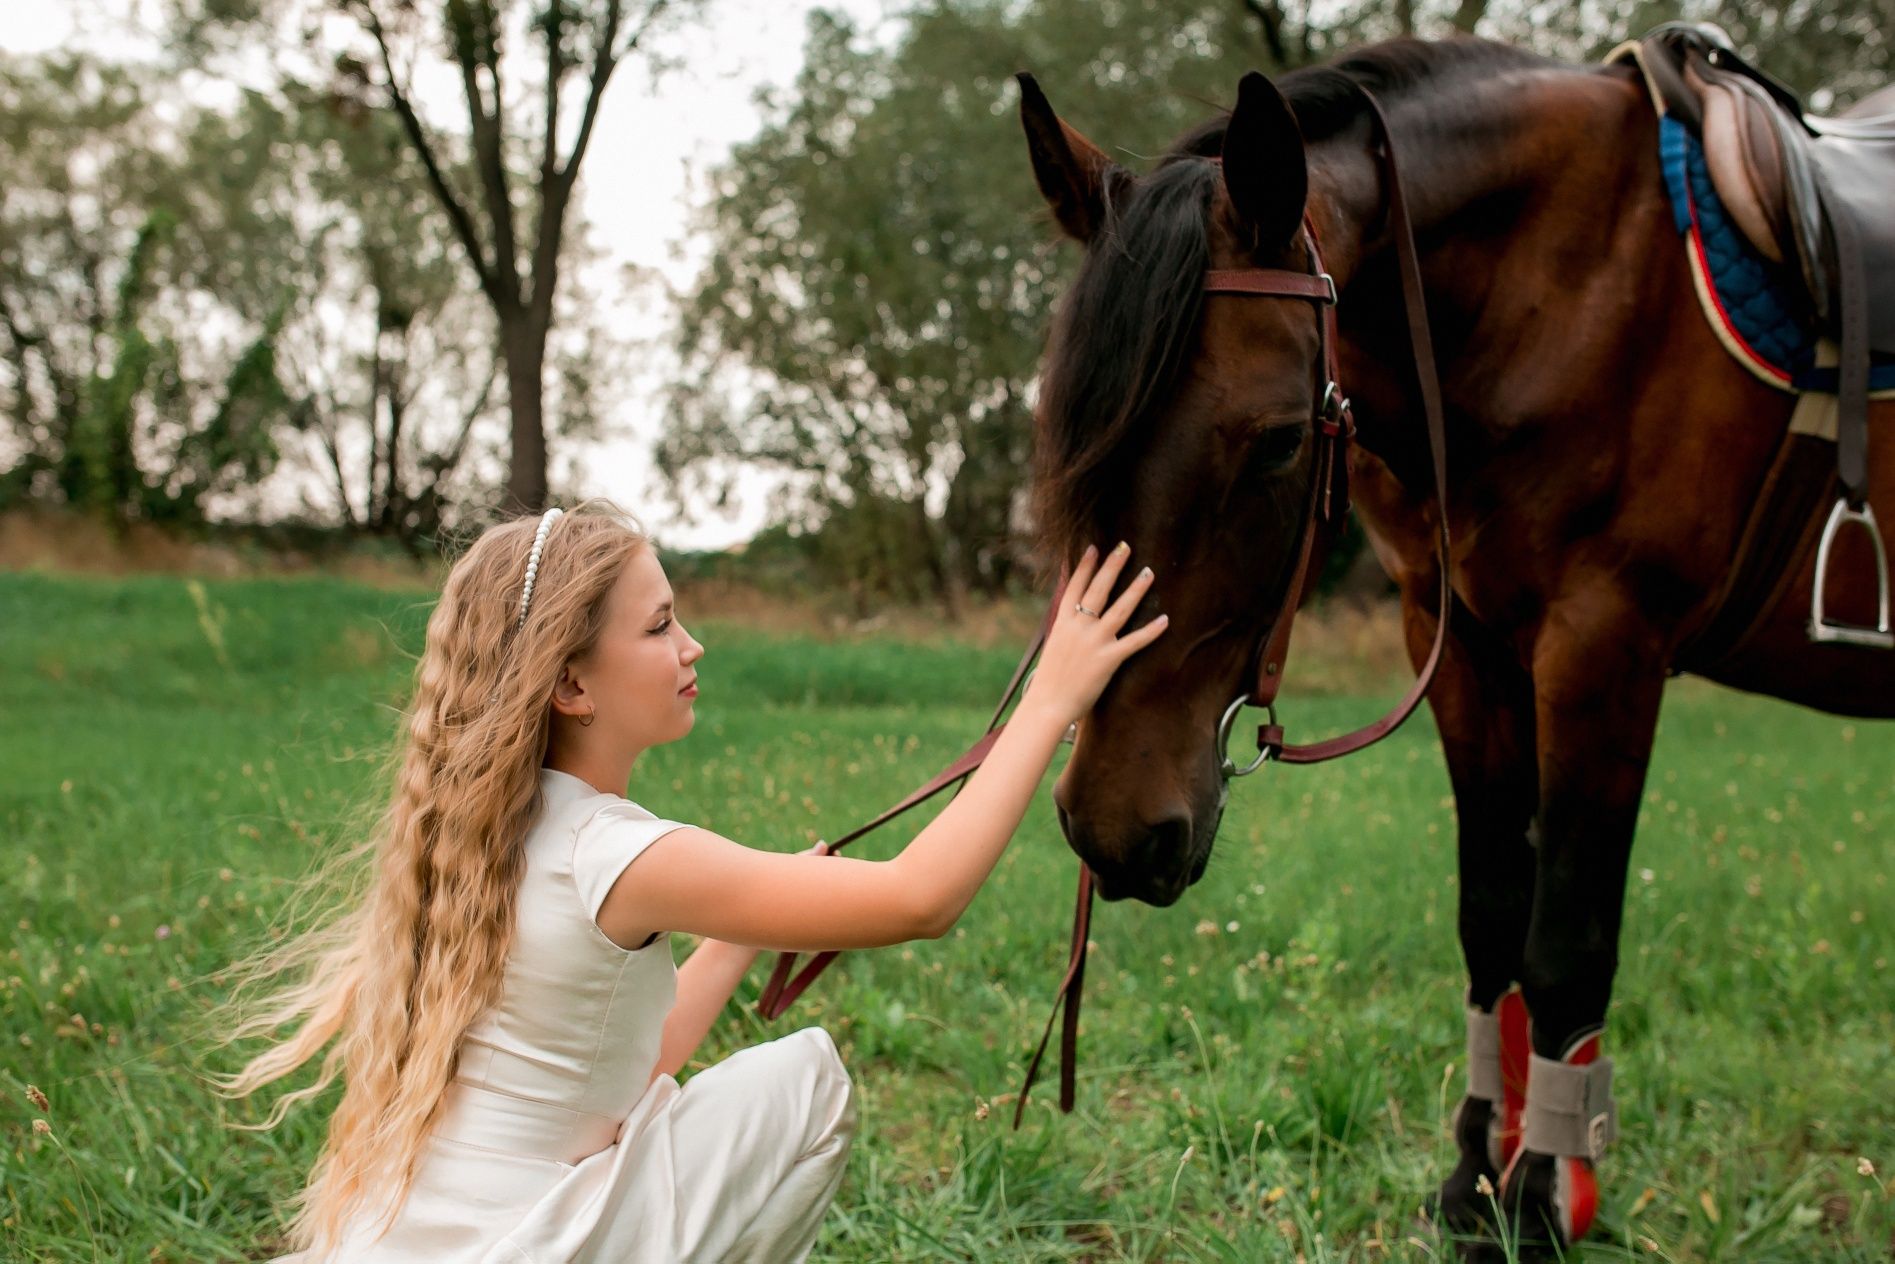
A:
(1825, 630)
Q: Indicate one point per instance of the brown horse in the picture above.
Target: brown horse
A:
(1603, 454)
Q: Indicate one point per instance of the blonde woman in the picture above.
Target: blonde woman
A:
(502, 1005)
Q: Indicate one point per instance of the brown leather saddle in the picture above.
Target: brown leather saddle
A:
(1816, 196)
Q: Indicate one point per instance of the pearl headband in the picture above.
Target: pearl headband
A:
(533, 562)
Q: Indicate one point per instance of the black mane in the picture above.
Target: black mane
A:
(1128, 323)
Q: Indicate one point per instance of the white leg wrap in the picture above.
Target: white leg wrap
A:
(1483, 1056)
(1570, 1111)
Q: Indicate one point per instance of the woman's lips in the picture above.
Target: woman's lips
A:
(689, 691)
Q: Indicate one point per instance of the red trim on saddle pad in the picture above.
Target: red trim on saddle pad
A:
(1728, 327)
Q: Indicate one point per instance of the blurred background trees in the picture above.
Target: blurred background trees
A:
(362, 264)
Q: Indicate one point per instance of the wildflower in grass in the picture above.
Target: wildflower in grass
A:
(1864, 1167)
(43, 1128)
(163, 932)
(40, 1103)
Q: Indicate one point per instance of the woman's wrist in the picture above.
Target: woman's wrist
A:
(1037, 715)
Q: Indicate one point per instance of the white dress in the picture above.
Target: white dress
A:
(550, 1146)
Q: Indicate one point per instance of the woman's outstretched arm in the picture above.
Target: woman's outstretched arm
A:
(695, 881)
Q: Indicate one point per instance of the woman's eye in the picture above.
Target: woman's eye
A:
(661, 628)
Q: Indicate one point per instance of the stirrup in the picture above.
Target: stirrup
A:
(1821, 629)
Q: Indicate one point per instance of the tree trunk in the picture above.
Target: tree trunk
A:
(523, 340)
(941, 564)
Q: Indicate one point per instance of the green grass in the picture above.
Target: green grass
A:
(1265, 1068)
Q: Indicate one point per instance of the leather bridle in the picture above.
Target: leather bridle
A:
(1328, 505)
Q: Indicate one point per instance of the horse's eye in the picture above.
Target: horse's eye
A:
(1276, 447)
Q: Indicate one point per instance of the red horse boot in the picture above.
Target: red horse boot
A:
(1486, 1125)
(1550, 1187)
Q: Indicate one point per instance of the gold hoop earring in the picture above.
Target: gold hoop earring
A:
(585, 721)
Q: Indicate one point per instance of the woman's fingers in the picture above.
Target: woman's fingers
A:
(1139, 637)
(1121, 610)
(1078, 580)
(1099, 591)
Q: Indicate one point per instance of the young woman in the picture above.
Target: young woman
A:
(502, 1006)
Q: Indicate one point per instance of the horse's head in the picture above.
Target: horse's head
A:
(1181, 423)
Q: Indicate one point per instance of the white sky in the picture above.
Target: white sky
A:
(636, 183)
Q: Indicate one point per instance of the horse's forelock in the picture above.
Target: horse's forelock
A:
(1118, 345)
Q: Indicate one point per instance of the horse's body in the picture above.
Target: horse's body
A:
(1604, 453)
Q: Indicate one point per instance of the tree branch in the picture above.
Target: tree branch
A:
(457, 215)
(476, 44)
(555, 71)
(1469, 14)
(1270, 18)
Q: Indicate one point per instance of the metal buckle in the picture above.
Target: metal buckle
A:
(1596, 1135)
(1334, 407)
(1330, 282)
(1826, 631)
(1226, 765)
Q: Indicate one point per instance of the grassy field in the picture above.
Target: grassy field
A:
(1265, 1068)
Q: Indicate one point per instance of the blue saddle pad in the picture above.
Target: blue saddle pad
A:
(1751, 301)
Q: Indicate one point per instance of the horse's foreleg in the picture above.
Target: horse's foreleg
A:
(1483, 707)
(1598, 671)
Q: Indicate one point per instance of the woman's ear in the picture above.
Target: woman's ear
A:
(569, 694)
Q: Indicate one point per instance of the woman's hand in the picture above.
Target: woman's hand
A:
(1083, 650)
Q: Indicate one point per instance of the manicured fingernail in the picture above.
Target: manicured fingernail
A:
(1092, 551)
(1163, 618)
(1145, 574)
(1123, 547)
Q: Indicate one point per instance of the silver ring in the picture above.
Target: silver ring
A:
(1080, 606)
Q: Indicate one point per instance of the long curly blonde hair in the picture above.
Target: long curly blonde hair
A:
(397, 976)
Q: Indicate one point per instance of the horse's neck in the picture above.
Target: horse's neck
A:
(1521, 206)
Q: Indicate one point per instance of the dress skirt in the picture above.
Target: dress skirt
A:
(738, 1164)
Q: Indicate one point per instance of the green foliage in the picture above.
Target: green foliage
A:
(870, 318)
(115, 400)
(1265, 1070)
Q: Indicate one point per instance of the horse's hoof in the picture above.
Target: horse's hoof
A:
(1465, 1202)
(1550, 1201)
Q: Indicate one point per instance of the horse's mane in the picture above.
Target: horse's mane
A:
(1129, 321)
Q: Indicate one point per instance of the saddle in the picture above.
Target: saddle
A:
(1816, 197)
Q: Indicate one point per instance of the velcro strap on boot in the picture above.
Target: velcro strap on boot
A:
(1570, 1111)
(1483, 1055)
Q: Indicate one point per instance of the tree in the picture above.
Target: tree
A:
(881, 268)
(117, 396)
(504, 186)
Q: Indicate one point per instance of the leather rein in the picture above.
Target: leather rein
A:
(1328, 506)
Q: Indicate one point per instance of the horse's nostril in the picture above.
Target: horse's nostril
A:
(1163, 852)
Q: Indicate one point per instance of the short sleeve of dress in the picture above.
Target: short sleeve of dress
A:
(610, 839)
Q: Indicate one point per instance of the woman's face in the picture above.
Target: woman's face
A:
(641, 677)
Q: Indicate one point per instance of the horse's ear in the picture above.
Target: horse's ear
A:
(1265, 171)
(1070, 169)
